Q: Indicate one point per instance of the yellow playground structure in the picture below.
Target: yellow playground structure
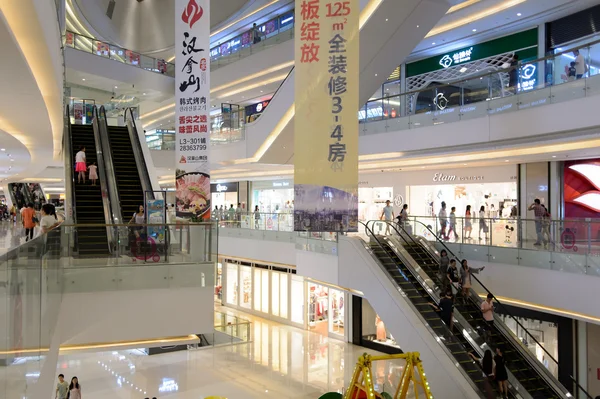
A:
(412, 382)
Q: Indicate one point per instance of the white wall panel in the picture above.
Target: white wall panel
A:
(267, 246)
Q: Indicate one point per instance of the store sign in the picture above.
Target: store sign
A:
(224, 188)
(326, 161)
(457, 58)
(440, 101)
(440, 177)
(192, 99)
(528, 77)
(281, 184)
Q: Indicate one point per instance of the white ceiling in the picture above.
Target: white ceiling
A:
(25, 128)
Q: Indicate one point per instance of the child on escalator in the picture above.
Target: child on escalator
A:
(93, 169)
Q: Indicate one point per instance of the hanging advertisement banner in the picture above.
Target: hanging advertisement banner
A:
(326, 121)
(192, 100)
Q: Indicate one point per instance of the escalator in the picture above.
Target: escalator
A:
(454, 341)
(128, 179)
(533, 377)
(88, 207)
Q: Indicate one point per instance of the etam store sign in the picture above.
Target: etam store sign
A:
(441, 177)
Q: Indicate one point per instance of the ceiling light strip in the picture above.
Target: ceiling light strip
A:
(243, 18)
(474, 17)
(275, 79)
(462, 5)
(254, 76)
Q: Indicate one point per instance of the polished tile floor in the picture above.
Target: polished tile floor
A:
(281, 362)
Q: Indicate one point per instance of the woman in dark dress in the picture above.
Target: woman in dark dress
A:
(501, 374)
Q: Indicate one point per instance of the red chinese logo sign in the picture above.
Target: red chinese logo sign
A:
(192, 13)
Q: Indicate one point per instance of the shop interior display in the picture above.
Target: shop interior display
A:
(373, 328)
(371, 201)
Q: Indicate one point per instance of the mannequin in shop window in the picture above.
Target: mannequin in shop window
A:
(381, 334)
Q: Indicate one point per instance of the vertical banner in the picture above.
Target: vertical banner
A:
(192, 102)
(326, 121)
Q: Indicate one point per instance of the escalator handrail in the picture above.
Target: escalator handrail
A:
(111, 179)
(70, 214)
(105, 188)
(276, 93)
(505, 310)
(138, 153)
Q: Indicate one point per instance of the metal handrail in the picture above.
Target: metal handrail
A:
(505, 310)
(69, 164)
(138, 153)
(111, 179)
(104, 179)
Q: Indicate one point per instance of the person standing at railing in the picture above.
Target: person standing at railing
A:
(539, 213)
(256, 217)
(238, 215)
(387, 215)
(513, 74)
(546, 221)
(468, 223)
(443, 218)
(580, 65)
(256, 34)
(231, 216)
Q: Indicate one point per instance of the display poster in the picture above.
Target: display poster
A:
(192, 100)
(326, 121)
(78, 113)
(156, 214)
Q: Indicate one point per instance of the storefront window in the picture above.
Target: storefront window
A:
(246, 283)
(336, 312)
(373, 328)
(232, 284)
(371, 201)
(545, 333)
(297, 304)
(258, 289)
(275, 293)
(283, 294)
(265, 291)
(318, 308)
(219, 283)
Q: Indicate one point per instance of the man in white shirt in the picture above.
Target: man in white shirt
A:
(443, 218)
(388, 216)
(580, 65)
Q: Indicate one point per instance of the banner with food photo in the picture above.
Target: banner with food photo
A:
(192, 99)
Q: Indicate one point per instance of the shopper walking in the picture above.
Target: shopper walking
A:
(443, 270)
(93, 168)
(468, 223)
(403, 219)
(465, 277)
(487, 311)
(388, 216)
(483, 227)
(487, 365)
(500, 373)
(80, 164)
(29, 221)
(452, 224)
(538, 212)
(74, 389)
(62, 388)
(443, 218)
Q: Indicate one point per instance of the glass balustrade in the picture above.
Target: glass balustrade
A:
(115, 53)
(527, 85)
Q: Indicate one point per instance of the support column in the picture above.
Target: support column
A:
(581, 357)
(541, 67)
(403, 103)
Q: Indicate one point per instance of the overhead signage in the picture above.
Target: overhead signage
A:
(528, 77)
(281, 184)
(456, 58)
(523, 43)
(224, 188)
(192, 100)
(441, 177)
(326, 153)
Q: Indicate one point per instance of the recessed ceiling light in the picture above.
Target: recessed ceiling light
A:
(518, 14)
(474, 30)
(2, 149)
(375, 74)
(83, 79)
(116, 87)
(465, 164)
(433, 44)
(386, 20)
(553, 156)
(144, 94)
(261, 91)
(417, 26)
(506, 160)
(12, 160)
